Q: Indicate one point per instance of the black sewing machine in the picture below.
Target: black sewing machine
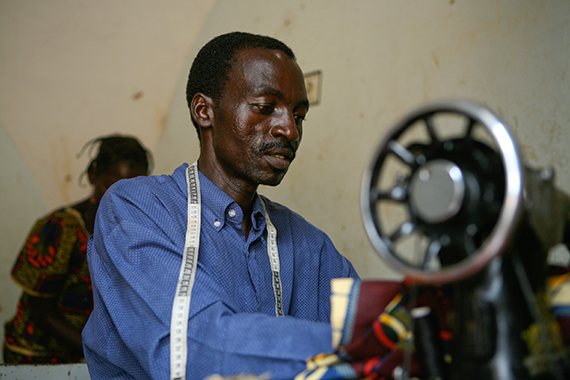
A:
(448, 199)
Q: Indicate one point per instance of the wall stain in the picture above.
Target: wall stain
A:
(162, 122)
(137, 95)
(435, 59)
(288, 23)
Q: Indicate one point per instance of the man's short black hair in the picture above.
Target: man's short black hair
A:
(211, 67)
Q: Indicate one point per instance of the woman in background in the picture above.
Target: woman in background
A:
(52, 265)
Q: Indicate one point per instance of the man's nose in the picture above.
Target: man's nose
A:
(287, 127)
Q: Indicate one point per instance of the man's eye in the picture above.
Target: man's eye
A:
(299, 118)
(264, 108)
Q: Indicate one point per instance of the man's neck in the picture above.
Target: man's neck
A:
(242, 192)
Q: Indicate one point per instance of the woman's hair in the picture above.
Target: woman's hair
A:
(116, 148)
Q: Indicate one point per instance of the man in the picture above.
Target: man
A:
(256, 275)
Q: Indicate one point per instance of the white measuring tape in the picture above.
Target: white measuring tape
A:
(273, 253)
(181, 305)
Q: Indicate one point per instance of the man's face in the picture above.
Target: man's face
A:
(258, 119)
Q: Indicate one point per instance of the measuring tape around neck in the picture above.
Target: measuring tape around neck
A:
(181, 304)
(273, 253)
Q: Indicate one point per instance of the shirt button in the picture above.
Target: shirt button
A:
(217, 223)
(232, 213)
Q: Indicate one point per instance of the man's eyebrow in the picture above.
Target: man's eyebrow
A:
(273, 91)
(268, 90)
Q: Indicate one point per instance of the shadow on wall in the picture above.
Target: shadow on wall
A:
(20, 204)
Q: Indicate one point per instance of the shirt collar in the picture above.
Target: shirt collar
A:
(218, 208)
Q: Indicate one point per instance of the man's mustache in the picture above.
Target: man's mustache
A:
(278, 146)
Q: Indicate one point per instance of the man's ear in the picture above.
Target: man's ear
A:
(202, 110)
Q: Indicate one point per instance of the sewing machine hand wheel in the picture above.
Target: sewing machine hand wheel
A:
(439, 208)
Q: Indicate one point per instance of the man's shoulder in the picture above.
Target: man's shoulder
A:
(150, 186)
(151, 195)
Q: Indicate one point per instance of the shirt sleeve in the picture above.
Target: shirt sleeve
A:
(317, 262)
(134, 264)
(332, 265)
(43, 263)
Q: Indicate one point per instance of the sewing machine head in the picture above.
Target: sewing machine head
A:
(448, 199)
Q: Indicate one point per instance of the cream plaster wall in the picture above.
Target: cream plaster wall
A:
(70, 71)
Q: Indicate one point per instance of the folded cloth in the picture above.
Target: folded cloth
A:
(371, 330)
(372, 327)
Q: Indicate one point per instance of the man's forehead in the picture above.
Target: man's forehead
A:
(248, 53)
(263, 69)
(265, 61)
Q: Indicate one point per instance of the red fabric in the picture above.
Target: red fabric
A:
(364, 341)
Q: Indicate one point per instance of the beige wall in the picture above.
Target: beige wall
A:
(70, 71)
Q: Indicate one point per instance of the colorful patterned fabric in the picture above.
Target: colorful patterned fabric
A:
(52, 263)
(370, 324)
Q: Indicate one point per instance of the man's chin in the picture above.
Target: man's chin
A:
(273, 180)
(272, 183)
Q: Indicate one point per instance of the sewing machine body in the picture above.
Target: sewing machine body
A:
(482, 222)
